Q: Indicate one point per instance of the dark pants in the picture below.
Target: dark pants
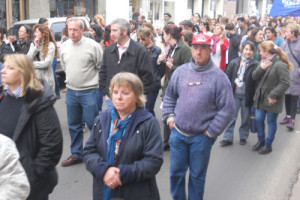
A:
(151, 99)
(167, 133)
(291, 105)
(55, 78)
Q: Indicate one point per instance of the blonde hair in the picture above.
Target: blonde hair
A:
(100, 19)
(222, 29)
(269, 46)
(24, 65)
(133, 82)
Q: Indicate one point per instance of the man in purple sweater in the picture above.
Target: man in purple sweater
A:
(198, 106)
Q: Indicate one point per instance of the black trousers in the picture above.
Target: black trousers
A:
(167, 133)
(291, 104)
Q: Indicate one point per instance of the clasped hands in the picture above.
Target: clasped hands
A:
(111, 177)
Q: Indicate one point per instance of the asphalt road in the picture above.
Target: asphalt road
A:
(234, 172)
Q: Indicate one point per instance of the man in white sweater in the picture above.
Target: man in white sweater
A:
(81, 59)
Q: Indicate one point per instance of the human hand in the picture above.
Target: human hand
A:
(169, 63)
(272, 101)
(161, 57)
(265, 65)
(11, 38)
(171, 124)
(111, 177)
(36, 42)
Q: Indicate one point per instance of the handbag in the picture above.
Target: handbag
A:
(252, 120)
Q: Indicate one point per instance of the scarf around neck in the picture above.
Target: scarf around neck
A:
(118, 130)
(239, 81)
(215, 41)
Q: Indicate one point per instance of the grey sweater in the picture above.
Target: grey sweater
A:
(81, 63)
(201, 99)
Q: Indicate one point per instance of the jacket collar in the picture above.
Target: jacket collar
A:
(131, 49)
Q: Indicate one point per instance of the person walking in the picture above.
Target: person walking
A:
(292, 48)
(274, 79)
(239, 72)
(80, 57)
(193, 134)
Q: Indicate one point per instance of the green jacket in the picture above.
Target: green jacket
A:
(273, 83)
(181, 56)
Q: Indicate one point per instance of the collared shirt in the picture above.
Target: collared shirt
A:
(78, 43)
(16, 93)
(123, 49)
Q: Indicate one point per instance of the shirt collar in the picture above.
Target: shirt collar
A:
(16, 93)
(126, 45)
(79, 42)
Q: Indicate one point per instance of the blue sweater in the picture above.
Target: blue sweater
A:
(207, 106)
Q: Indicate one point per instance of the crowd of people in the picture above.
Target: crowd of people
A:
(216, 67)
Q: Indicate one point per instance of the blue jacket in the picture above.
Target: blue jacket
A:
(139, 159)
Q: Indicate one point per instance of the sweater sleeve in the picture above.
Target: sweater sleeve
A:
(225, 106)
(171, 96)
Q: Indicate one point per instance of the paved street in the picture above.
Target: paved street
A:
(234, 173)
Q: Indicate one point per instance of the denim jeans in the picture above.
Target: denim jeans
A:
(55, 78)
(260, 116)
(192, 152)
(81, 104)
(151, 99)
(240, 101)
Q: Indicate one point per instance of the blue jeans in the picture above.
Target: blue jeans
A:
(240, 101)
(192, 152)
(55, 78)
(151, 99)
(80, 104)
(260, 116)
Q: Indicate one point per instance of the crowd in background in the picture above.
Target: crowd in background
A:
(260, 57)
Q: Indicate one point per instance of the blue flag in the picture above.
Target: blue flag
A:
(285, 8)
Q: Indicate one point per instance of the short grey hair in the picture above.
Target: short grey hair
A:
(123, 24)
(76, 19)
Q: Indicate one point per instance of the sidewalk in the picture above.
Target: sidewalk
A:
(296, 187)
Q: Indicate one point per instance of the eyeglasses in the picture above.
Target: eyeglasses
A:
(143, 39)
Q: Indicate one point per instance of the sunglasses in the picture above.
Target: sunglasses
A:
(143, 39)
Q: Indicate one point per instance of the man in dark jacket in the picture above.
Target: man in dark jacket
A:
(124, 55)
(242, 30)
(234, 42)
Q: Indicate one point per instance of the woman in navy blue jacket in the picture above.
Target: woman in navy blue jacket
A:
(124, 151)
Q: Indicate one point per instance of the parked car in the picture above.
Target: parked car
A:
(56, 25)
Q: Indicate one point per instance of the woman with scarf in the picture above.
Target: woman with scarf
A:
(178, 54)
(239, 72)
(274, 79)
(219, 46)
(25, 39)
(124, 151)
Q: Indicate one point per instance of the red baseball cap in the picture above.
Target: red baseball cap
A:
(201, 39)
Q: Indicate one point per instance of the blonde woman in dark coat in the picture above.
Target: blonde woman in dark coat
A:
(274, 80)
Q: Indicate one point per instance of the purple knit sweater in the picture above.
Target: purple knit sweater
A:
(201, 99)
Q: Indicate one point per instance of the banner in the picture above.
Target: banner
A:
(285, 8)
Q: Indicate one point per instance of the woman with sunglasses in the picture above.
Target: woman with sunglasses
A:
(146, 39)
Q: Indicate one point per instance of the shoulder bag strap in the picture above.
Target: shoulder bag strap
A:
(292, 53)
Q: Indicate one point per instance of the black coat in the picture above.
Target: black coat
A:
(233, 49)
(250, 84)
(158, 71)
(38, 138)
(4, 49)
(135, 60)
(139, 159)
